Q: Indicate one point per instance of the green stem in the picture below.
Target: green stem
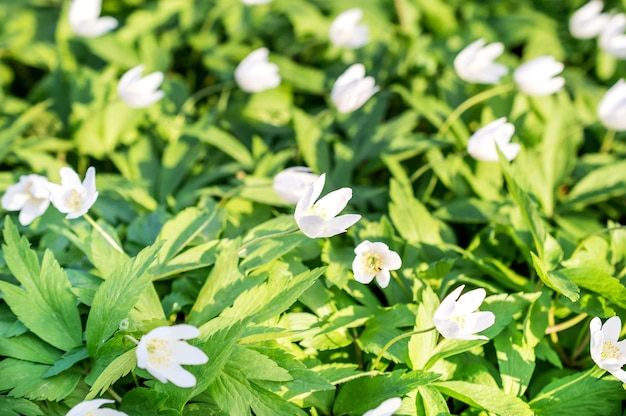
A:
(103, 233)
(607, 142)
(394, 340)
(265, 237)
(396, 276)
(113, 394)
(465, 105)
(565, 325)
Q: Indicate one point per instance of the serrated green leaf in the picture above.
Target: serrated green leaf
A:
(118, 368)
(429, 402)
(68, 360)
(46, 304)
(28, 347)
(601, 184)
(25, 379)
(18, 407)
(484, 397)
(142, 402)
(555, 280)
(116, 297)
(598, 281)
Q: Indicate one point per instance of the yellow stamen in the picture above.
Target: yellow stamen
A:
(316, 210)
(610, 351)
(372, 262)
(159, 352)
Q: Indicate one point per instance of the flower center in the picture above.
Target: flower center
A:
(159, 352)
(610, 351)
(74, 200)
(460, 320)
(316, 210)
(372, 262)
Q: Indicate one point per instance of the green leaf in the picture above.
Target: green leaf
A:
(118, 368)
(421, 345)
(46, 304)
(585, 393)
(599, 281)
(223, 141)
(449, 347)
(484, 397)
(25, 379)
(28, 347)
(117, 296)
(142, 402)
(601, 184)
(430, 402)
(516, 361)
(310, 139)
(18, 407)
(371, 391)
(555, 280)
(10, 133)
(68, 360)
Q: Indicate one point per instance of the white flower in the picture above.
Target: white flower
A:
(255, 2)
(537, 77)
(161, 352)
(612, 107)
(345, 31)
(319, 219)
(457, 319)
(255, 73)
(612, 39)
(92, 408)
(352, 89)
(85, 20)
(29, 196)
(292, 183)
(374, 260)
(386, 408)
(607, 352)
(72, 197)
(140, 92)
(482, 144)
(587, 22)
(475, 63)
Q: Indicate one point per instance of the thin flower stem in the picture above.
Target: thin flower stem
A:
(133, 339)
(357, 351)
(582, 347)
(394, 340)
(607, 142)
(103, 233)
(565, 325)
(423, 169)
(113, 394)
(265, 237)
(465, 105)
(203, 93)
(396, 276)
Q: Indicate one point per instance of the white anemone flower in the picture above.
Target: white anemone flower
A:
(255, 2)
(29, 196)
(482, 144)
(92, 408)
(607, 352)
(455, 317)
(293, 182)
(162, 351)
(612, 38)
(386, 408)
(345, 31)
(612, 107)
(537, 77)
(255, 73)
(85, 20)
(588, 21)
(374, 260)
(476, 63)
(319, 219)
(140, 92)
(73, 197)
(352, 89)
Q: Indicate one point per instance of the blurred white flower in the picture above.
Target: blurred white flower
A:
(475, 63)
(482, 144)
(29, 196)
(255, 73)
(352, 89)
(537, 76)
(73, 197)
(612, 38)
(588, 21)
(161, 352)
(455, 317)
(374, 260)
(85, 20)
(319, 219)
(612, 107)
(140, 92)
(607, 352)
(345, 31)
(386, 408)
(292, 183)
(255, 2)
(92, 408)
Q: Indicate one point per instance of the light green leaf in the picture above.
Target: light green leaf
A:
(430, 402)
(484, 397)
(601, 184)
(310, 138)
(25, 379)
(555, 280)
(516, 361)
(121, 366)
(28, 347)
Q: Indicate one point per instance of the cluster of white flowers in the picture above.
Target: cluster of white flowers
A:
(33, 193)
(589, 22)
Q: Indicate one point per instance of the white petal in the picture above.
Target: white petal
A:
(470, 301)
(383, 277)
(339, 225)
(179, 376)
(30, 211)
(611, 329)
(82, 408)
(184, 353)
(334, 202)
(479, 321)
(311, 225)
(448, 304)
(386, 408)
